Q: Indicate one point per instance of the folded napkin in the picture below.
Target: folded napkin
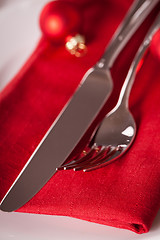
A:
(124, 194)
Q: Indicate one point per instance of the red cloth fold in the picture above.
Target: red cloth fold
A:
(124, 194)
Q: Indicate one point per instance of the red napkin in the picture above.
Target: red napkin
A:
(124, 194)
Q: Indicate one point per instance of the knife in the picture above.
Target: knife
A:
(75, 118)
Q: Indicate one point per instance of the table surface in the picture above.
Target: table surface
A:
(15, 48)
(24, 226)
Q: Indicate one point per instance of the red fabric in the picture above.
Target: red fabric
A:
(124, 194)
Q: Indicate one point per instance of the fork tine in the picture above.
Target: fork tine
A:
(100, 155)
(77, 161)
(80, 161)
(83, 158)
(104, 161)
(85, 161)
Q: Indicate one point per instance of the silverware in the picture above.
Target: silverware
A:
(118, 129)
(70, 126)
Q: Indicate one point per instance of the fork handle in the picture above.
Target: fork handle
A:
(137, 13)
(128, 83)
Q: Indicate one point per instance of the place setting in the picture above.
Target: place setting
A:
(80, 114)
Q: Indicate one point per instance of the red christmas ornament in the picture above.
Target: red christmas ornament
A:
(59, 19)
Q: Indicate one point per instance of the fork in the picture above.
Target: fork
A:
(118, 129)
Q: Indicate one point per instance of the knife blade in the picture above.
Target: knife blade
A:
(78, 114)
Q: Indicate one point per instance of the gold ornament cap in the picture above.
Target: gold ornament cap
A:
(76, 45)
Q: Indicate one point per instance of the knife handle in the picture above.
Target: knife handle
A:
(137, 13)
